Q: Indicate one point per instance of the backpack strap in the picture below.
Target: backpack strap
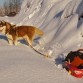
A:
(80, 53)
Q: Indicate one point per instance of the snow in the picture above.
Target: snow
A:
(20, 64)
(63, 32)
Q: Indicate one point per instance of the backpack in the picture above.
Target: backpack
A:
(74, 63)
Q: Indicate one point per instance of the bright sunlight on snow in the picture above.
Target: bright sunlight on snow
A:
(62, 24)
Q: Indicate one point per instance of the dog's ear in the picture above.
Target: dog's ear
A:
(3, 22)
(0, 21)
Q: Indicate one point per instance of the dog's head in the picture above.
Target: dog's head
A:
(5, 27)
(2, 25)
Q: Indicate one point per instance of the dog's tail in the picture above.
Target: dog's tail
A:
(39, 32)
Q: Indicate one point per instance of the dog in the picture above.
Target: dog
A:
(15, 33)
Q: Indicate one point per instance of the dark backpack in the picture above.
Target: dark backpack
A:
(75, 58)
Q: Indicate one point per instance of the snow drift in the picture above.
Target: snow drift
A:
(61, 21)
(58, 19)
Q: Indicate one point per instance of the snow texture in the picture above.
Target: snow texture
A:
(62, 23)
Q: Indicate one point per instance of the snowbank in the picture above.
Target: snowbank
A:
(63, 32)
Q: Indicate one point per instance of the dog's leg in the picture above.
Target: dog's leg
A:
(30, 43)
(31, 39)
(10, 42)
(10, 39)
(28, 40)
(15, 42)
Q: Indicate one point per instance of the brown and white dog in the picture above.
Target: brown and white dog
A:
(15, 33)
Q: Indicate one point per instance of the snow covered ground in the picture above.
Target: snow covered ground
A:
(63, 31)
(20, 64)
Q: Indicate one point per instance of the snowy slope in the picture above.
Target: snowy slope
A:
(20, 64)
(63, 31)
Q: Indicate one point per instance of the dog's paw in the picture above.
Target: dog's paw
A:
(17, 43)
(10, 44)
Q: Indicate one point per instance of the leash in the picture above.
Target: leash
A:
(39, 52)
(46, 55)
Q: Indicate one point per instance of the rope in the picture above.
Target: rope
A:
(46, 55)
(38, 51)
